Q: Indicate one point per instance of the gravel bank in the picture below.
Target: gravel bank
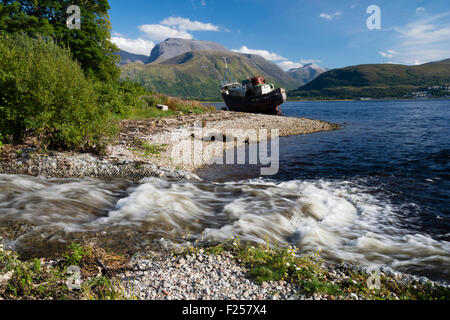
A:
(179, 133)
(145, 148)
(199, 276)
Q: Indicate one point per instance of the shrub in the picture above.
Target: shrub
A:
(44, 92)
(120, 97)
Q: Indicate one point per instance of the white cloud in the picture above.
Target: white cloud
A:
(137, 46)
(263, 53)
(157, 32)
(175, 27)
(424, 40)
(420, 9)
(282, 62)
(172, 27)
(184, 24)
(308, 61)
(288, 65)
(388, 54)
(330, 16)
(424, 32)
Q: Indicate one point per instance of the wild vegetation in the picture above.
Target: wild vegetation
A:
(98, 272)
(274, 263)
(59, 279)
(90, 45)
(45, 92)
(62, 86)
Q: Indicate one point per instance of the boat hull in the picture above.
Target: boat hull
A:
(269, 103)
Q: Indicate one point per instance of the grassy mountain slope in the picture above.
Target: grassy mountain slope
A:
(198, 74)
(376, 80)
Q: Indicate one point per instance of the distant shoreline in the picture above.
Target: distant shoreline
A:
(369, 99)
(343, 100)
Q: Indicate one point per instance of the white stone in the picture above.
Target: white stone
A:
(162, 107)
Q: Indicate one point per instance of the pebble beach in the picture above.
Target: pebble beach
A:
(160, 274)
(144, 148)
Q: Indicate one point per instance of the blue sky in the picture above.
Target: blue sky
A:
(292, 33)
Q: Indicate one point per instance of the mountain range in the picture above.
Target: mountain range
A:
(194, 69)
(173, 47)
(375, 81)
(128, 57)
(306, 73)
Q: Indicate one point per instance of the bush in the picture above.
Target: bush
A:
(44, 92)
(121, 97)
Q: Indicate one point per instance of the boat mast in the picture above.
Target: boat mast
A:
(226, 71)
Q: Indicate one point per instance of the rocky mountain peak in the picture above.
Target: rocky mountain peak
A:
(173, 47)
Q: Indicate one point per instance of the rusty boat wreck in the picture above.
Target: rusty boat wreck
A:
(253, 95)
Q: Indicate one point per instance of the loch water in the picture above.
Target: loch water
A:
(376, 192)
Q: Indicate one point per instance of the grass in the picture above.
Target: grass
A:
(146, 149)
(146, 110)
(177, 106)
(35, 280)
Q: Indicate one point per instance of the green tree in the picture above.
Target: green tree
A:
(43, 91)
(91, 45)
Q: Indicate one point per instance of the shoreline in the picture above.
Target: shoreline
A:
(178, 271)
(365, 100)
(145, 148)
(229, 271)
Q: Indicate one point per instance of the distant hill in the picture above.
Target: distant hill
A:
(307, 73)
(173, 47)
(128, 57)
(197, 74)
(375, 81)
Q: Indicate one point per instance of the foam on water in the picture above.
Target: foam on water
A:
(342, 219)
(345, 220)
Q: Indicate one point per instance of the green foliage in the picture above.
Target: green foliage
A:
(75, 254)
(33, 280)
(176, 106)
(147, 149)
(91, 45)
(29, 280)
(267, 263)
(120, 97)
(103, 288)
(279, 263)
(43, 91)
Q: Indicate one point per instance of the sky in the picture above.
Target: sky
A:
(292, 33)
